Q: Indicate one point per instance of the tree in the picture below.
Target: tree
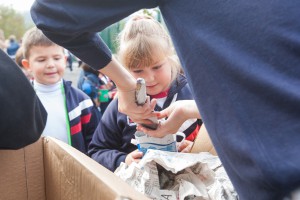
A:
(11, 22)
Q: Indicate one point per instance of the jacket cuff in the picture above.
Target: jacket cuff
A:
(120, 159)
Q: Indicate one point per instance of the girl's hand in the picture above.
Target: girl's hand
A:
(177, 113)
(185, 146)
(134, 156)
(170, 126)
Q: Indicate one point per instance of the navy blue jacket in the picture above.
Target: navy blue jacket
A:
(242, 62)
(83, 117)
(112, 139)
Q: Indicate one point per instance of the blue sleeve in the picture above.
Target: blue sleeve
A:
(74, 24)
(107, 140)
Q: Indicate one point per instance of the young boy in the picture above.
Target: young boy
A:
(72, 118)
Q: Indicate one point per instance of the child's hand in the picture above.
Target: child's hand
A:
(177, 113)
(134, 156)
(185, 146)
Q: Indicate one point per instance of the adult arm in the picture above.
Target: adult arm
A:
(23, 116)
(74, 24)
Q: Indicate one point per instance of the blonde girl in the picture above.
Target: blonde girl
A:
(146, 51)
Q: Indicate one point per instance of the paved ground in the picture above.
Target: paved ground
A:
(72, 75)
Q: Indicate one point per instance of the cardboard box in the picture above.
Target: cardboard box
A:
(203, 143)
(52, 170)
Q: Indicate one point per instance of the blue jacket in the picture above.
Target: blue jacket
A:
(12, 48)
(83, 117)
(242, 61)
(112, 139)
(89, 83)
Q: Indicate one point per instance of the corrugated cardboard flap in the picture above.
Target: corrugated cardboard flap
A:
(72, 175)
(22, 173)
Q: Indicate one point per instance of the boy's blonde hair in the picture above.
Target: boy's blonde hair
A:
(144, 42)
(34, 37)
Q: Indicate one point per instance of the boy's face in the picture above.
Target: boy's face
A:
(157, 76)
(47, 63)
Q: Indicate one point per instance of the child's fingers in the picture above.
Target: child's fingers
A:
(164, 113)
(136, 160)
(153, 103)
(136, 154)
(186, 150)
(185, 146)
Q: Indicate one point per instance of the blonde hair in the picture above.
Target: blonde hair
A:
(144, 42)
(32, 38)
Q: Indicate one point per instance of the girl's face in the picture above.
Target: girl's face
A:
(157, 76)
(47, 64)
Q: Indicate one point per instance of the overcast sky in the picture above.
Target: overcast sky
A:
(19, 5)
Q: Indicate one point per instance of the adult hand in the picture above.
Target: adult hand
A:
(138, 114)
(177, 113)
(134, 156)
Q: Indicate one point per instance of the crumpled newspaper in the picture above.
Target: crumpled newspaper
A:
(185, 176)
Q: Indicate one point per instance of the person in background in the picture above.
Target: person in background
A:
(72, 118)
(241, 59)
(23, 116)
(110, 93)
(147, 52)
(90, 83)
(69, 56)
(2, 41)
(18, 59)
(12, 47)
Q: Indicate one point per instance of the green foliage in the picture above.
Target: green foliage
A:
(110, 34)
(11, 22)
(155, 13)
